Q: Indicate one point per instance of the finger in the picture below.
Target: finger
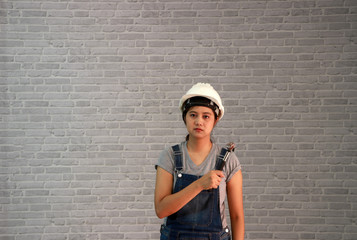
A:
(220, 174)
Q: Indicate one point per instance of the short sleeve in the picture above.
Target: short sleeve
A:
(166, 160)
(232, 166)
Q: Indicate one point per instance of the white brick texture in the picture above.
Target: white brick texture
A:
(89, 95)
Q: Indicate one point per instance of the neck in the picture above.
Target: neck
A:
(198, 145)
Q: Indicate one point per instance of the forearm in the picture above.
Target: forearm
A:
(235, 201)
(237, 228)
(174, 202)
(167, 203)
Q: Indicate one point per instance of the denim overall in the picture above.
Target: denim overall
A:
(201, 217)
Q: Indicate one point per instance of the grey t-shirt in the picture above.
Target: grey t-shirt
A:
(166, 161)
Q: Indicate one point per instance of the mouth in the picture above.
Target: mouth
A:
(198, 129)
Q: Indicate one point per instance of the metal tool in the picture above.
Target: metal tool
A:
(230, 148)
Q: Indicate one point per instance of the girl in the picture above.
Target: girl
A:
(189, 191)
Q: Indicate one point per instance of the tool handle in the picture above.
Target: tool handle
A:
(221, 165)
(230, 147)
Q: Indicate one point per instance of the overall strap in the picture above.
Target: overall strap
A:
(178, 159)
(220, 157)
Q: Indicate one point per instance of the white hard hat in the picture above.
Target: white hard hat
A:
(203, 90)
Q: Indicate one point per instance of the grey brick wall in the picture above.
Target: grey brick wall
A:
(89, 95)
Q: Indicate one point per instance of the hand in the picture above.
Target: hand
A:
(211, 179)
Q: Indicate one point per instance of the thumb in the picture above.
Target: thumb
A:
(219, 173)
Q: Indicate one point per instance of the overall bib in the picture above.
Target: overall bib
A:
(200, 218)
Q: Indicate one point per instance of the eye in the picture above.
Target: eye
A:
(206, 116)
(192, 115)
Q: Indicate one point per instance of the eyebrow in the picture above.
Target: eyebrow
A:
(192, 111)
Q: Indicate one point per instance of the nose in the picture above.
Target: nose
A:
(198, 121)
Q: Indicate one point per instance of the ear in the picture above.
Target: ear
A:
(215, 122)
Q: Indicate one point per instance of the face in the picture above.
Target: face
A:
(200, 122)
